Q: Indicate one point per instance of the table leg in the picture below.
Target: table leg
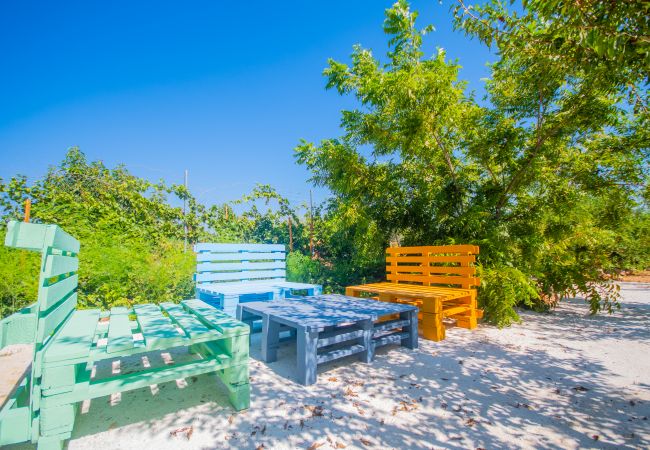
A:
(368, 330)
(306, 356)
(270, 339)
(412, 340)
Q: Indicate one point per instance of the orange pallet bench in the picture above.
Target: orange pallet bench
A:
(439, 280)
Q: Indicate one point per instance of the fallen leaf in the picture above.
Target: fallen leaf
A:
(316, 411)
(350, 393)
(231, 419)
(340, 445)
(187, 431)
(365, 441)
(112, 426)
(470, 422)
(315, 445)
(260, 447)
(333, 379)
(595, 437)
(580, 389)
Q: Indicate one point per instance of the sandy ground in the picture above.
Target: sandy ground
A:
(562, 380)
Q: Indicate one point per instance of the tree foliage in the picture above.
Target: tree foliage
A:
(132, 232)
(545, 178)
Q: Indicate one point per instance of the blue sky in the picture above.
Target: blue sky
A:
(225, 90)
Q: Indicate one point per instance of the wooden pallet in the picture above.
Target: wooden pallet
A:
(439, 280)
(69, 343)
(227, 274)
(331, 327)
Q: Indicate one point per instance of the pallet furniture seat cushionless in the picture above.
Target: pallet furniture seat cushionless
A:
(439, 280)
(227, 274)
(68, 343)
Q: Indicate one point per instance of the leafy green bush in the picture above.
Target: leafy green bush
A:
(502, 289)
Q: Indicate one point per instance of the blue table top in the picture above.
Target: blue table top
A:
(322, 311)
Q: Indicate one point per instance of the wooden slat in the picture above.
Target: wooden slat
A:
(157, 330)
(192, 326)
(248, 275)
(56, 265)
(432, 259)
(455, 310)
(215, 318)
(75, 338)
(432, 279)
(48, 322)
(431, 269)
(49, 296)
(59, 239)
(206, 257)
(38, 237)
(120, 334)
(246, 265)
(232, 248)
(469, 249)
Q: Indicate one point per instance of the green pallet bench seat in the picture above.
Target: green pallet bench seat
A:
(229, 274)
(66, 345)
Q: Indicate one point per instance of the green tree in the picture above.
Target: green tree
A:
(527, 178)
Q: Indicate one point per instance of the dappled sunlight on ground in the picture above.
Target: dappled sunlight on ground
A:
(561, 380)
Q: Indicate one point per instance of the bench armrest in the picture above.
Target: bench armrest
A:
(19, 328)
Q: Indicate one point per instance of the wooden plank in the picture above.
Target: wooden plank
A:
(232, 276)
(49, 322)
(455, 310)
(432, 259)
(87, 389)
(432, 279)
(232, 248)
(120, 334)
(190, 324)
(464, 248)
(206, 257)
(59, 239)
(16, 361)
(412, 289)
(245, 265)
(28, 236)
(50, 295)
(157, 330)
(396, 269)
(75, 338)
(215, 318)
(56, 265)
(339, 353)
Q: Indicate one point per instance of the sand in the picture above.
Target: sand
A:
(560, 380)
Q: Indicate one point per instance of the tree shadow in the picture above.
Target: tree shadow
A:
(542, 384)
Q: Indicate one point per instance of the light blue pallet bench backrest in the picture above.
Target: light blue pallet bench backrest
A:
(228, 263)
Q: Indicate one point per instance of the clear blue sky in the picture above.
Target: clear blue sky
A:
(223, 89)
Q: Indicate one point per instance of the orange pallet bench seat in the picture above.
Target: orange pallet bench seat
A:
(440, 280)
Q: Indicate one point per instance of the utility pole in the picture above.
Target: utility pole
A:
(290, 235)
(311, 224)
(185, 218)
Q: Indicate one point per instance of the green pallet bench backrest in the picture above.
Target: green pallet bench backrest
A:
(57, 299)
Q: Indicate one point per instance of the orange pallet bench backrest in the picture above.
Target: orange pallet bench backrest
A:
(433, 265)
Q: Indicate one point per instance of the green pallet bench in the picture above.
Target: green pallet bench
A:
(64, 345)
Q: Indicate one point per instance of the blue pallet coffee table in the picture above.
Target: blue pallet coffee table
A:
(330, 327)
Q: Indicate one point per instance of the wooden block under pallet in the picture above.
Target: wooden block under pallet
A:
(432, 327)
